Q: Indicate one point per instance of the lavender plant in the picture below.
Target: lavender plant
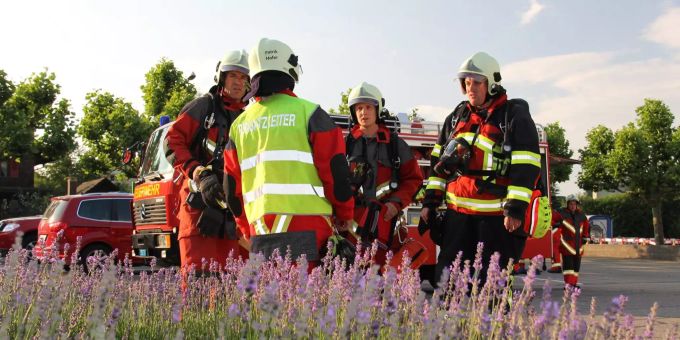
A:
(279, 298)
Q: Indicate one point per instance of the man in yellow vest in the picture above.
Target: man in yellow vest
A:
(287, 175)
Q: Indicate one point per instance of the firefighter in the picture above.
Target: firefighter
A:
(484, 167)
(285, 162)
(194, 145)
(575, 229)
(384, 175)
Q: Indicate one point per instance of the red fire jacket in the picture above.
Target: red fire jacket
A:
(574, 227)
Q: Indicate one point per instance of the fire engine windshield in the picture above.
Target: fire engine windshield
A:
(154, 156)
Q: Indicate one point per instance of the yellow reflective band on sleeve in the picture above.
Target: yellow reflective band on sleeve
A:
(519, 193)
(436, 183)
(382, 190)
(525, 157)
(493, 205)
(436, 150)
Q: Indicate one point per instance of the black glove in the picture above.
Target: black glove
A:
(211, 188)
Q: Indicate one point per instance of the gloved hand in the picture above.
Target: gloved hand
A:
(211, 188)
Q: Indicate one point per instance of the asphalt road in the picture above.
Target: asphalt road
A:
(642, 281)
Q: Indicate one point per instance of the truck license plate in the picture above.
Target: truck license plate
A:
(142, 252)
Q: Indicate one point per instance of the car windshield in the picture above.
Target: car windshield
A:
(154, 156)
(55, 210)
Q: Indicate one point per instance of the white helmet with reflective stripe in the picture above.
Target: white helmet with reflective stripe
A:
(365, 93)
(274, 55)
(481, 66)
(232, 61)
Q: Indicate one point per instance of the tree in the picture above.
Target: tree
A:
(414, 116)
(642, 157)
(343, 108)
(109, 125)
(559, 146)
(34, 122)
(166, 91)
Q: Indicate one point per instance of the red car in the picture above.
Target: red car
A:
(11, 226)
(103, 220)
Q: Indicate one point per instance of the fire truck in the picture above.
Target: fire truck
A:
(155, 204)
(156, 193)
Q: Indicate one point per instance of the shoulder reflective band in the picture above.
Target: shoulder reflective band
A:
(525, 157)
(279, 155)
(282, 189)
(519, 193)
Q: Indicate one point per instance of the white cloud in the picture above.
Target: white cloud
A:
(534, 9)
(664, 29)
(583, 90)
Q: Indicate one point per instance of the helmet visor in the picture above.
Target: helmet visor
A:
(367, 100)
(474, 76)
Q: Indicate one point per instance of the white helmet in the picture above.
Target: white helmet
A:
(367, 93)
(274, 55)
(481, 65)
(232, 61)
(573, 197)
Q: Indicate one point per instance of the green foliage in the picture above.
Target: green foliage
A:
(166, 91)
(559, 146)
(343, 108)
(632, 217)
(33, 121)
(24, 204)
(6, 88)
(641, 157)
(594, 175)
(108, 126)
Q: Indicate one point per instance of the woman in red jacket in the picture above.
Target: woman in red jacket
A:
(384, 175)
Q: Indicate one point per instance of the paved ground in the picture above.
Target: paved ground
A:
(642, 281)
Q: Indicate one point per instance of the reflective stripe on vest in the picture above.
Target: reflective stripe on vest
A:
(278, 175)
(278, 155)
(491, 205)
(282, 189)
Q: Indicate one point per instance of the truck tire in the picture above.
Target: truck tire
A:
(92, 250)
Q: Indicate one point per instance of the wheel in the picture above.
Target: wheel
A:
(92, 250)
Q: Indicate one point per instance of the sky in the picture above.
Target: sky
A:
(580, 62)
